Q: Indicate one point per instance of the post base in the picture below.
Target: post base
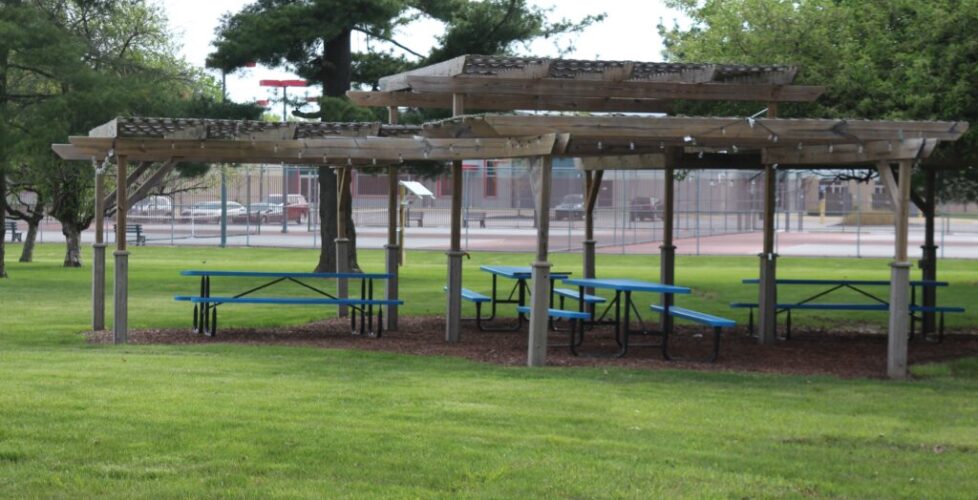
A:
(453, 313)
(392, 254)
(98, 286)
(767, 303)
(899, 324)
(539, 318)
(342, 266)
(120, 327)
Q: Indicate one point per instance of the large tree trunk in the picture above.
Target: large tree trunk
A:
(72, 245)
(327, 219)
(27, 253)
(336, 75)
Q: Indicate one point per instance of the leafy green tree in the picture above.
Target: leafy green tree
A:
(83, 63)
(313, 38)
(899, 59)
(34, 55)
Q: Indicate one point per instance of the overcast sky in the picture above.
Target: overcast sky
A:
(628, 33)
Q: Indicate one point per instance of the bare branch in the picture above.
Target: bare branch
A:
(389, 40)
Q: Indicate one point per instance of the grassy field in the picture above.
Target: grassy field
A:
(79, 420)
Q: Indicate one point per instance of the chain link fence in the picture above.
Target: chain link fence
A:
(279, 206)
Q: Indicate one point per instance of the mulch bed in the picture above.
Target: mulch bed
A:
(809, 352)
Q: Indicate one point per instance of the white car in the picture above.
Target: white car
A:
(210, 211)
(153, 205)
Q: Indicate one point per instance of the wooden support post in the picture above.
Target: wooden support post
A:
(928, 261)
(540, 299)
(767, 287)
(392, 249)
(98, 254)
(120, 327)
(667, 250)
(453, 314)
(342, 241)
(592, 188)
(899, 327)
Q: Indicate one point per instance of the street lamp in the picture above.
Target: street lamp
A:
(284, 85)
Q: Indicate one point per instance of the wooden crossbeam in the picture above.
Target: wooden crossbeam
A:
(870, 153)
(622, 89)
(331, 150)
(695, 131)
(506, 102)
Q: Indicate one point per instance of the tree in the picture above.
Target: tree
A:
(899, 59)
(33, 55)
(313, 38)
(91, 62)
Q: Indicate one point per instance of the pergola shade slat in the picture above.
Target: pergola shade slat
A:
(317, 151)
(626, 89)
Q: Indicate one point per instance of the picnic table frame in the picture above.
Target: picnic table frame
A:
(520, 289)
(205, 305)
(877, 304)
(623, 289)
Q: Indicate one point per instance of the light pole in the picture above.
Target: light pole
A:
(284, 86)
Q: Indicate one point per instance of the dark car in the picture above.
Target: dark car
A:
(570, 208)
(644, 207)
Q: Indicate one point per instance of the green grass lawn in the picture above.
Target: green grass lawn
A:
(80, 420)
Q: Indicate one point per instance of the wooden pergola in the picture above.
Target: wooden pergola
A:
(602, 141)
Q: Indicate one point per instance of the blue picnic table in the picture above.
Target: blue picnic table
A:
(875, 303)
(624, 307)
(205, 304)
(517, 294)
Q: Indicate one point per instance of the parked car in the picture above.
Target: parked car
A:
(571, 207)
(644, 207)
(210, 211)
(153, 206)
(260, 213)
(297, 208)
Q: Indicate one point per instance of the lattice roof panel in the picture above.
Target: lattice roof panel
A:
(202, 128)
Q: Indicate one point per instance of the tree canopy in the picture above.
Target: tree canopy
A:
(313, 39)
(67, 66)
(899, 59)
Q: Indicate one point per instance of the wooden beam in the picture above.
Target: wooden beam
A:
(507, 102)
(892, 189)
(599, 88)
(693, 131)
(869, 153)
(636, 162)
(322, 151)
(121, 198)
(398, 81)
(592, 188)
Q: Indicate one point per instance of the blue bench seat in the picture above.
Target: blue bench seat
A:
(557, 313)
(575, 317)
(696, 316)
(476, 298)
(287, 300)
(715, 322)
(574, 294)
(914, 311)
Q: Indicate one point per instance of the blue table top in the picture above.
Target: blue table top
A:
(519, 272)
(626, 285)
(263, 274)
(754, 281)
